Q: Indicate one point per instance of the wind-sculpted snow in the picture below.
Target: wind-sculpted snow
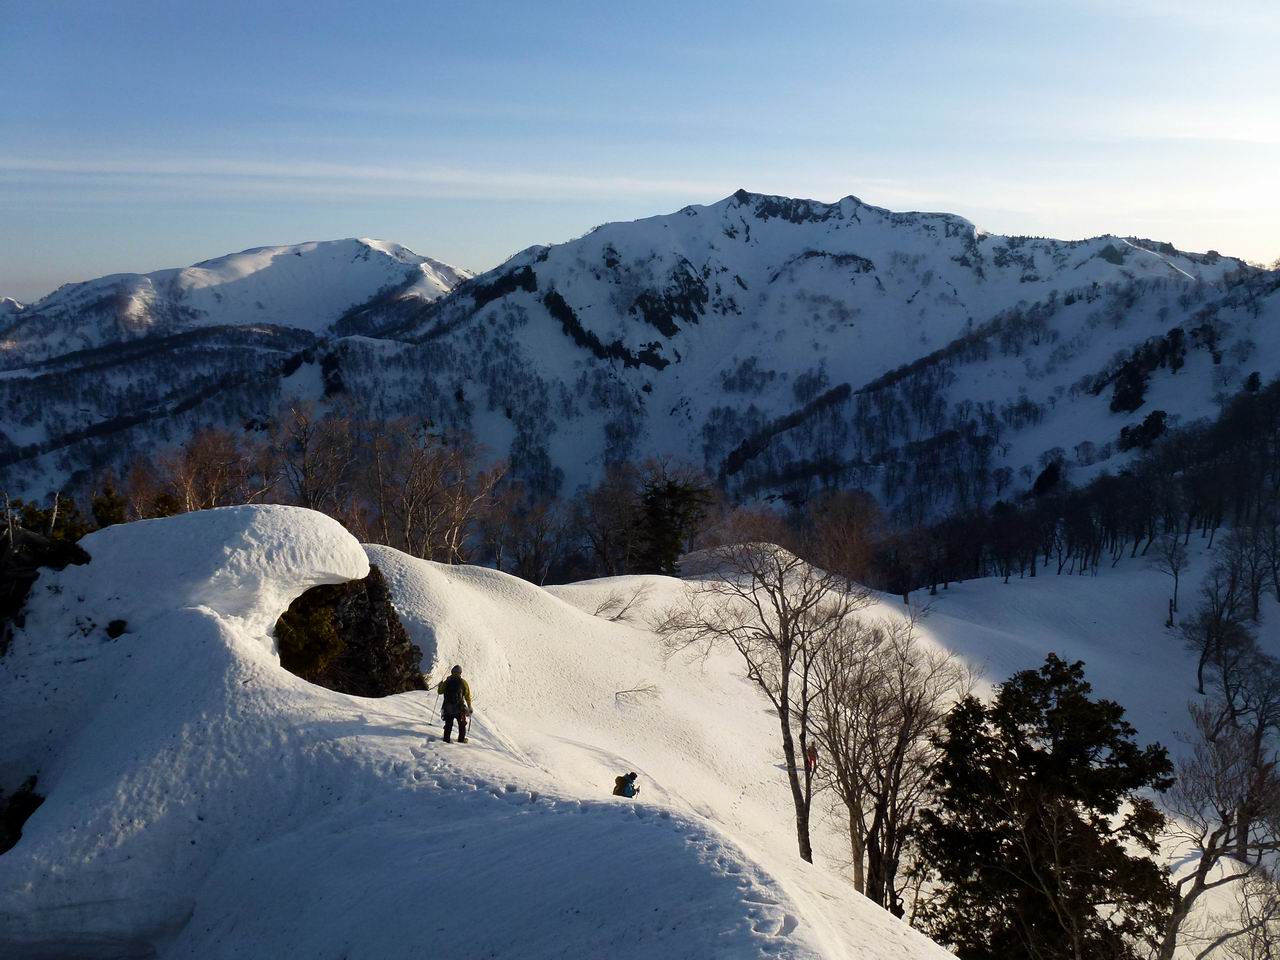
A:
(202, 802)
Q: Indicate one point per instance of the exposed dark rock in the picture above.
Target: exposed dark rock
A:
(15, 809)
(559, 308)
(348, 637)
(685, 298)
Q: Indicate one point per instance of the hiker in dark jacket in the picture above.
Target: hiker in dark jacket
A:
(625, 786)
(457, 704)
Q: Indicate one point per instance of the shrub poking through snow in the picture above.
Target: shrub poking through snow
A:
(22, 554)
(15, 809)
(348, 637)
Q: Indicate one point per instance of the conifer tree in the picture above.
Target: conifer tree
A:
(671, 507)
(1040, 843)
(108, 506)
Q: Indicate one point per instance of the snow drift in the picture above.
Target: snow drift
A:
(203, 802)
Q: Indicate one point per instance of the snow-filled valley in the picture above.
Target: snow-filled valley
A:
(204, 802)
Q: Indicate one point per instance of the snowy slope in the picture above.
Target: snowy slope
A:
(778, 344)
(204, 803)
(307, 286)
(763, 324)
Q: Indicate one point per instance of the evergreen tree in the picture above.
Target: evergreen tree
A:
(61, 520)
(1038, 837)
(671, 508)
(108, 506)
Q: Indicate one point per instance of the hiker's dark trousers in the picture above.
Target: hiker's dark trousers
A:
(462, 727)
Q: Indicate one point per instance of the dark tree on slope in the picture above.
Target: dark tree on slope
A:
(605, 515)
(671, 507)
(1039, 843)
(108, 506)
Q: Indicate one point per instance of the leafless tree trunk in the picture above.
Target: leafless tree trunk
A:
(1171, 559)
(317, 456)
(780, 614)
(884, 693)
(1226, 804)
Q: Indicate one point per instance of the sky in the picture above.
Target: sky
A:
(141, 135)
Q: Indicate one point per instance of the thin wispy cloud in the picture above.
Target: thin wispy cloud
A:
(1066, 117)
(308, 177)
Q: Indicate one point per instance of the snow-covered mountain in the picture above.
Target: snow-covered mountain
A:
(777, 343)
(308, 286)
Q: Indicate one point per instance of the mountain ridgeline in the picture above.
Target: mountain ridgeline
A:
(778, 344)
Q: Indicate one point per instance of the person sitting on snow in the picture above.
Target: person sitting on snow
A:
(625, 785)
(457, 704)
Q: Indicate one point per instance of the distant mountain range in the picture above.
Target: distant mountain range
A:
(777, 343)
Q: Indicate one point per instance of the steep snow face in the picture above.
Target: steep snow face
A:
(202, 802)
(307, 286)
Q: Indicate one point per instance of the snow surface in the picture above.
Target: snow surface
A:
(203, 802)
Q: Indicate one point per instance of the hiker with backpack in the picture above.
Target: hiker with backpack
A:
(457, 704)
(625, 785)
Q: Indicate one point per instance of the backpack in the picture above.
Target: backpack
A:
(454, 703)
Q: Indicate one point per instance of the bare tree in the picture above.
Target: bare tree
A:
(317, 456)
(1171, 559)
(884, 694)
(607, 515)
(1245, 550)
(1226, 807)
(537, 538)
(215, 468)
(1216, 632)
(425, 489)
(849, 521)
(619, 606)
(1256, 931)
(779, 613)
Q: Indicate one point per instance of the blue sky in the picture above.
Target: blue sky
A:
(138, 135)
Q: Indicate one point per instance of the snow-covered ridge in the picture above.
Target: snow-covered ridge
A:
(307, 286)
(202, 802)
